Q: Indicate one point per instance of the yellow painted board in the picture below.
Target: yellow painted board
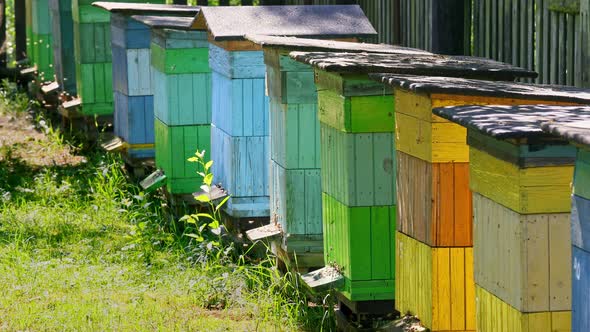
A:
(438, 142)
(524, 190)
(435, 284)
(522, 259)
(494, 315)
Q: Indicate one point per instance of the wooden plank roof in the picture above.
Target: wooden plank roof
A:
(165, 22)
(575, 131)
(146, 8)
(308, 44)
(513, 122)
(461, 86)
(415, 64)
(329, 22)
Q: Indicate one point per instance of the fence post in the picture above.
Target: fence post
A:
(584, 30)
(448, 27)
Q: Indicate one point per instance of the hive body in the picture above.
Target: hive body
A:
(63, 44)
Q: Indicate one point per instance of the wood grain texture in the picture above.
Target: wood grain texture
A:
(129, 33)
(180, 60)
(522, 259)
(582, 174)
(174, 145)
(434, 202)
(295, 135)
(436, 284)
(360, 241)
(494, 315)
(580, 222)
(94, 85)
(132, 74)
(241, 164)
(182, 99)
(524, 190)
(134, 118)
(358, 169)
(239, 106)
(580, 287)
(63, 44)
(42, 55)
(237, 64)
(349, 85)
(296, 202)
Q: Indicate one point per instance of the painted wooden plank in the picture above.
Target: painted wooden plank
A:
(580, 229)
(582, 174)
(525, 190)
(434, 202)
(40, 19)
(348, 244)
(495, 315)
(358, 169)
(232, 98)
(139, 72)
(237, 64)
(350, 85)
(174, 145)
(94, 84)
(171, 39)
(242, 163)
(435, 284)
(182, 99)
(580, 288)
(92, 42)
(180, 60)
(63, 44)
(129, 33)
(134, 118)
(516, 256)
(42, 54)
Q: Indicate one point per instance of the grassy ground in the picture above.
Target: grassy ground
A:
(83, 249)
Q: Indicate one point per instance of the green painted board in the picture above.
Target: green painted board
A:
(359, 241)
(582, 174)
(41, 54)
(174, 146)
(40, 18)
(94, 84)
(358, 169)
(92, 42)
(350, 85)
(180, 60)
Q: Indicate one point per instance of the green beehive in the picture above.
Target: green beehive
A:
(182, 98)
(39, 45)
(92, 45)
(295, 182)
(358, 160)
(63, 44)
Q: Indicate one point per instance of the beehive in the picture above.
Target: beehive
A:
(520, 178)
(241, 110)
(93, 59)
(434, 206)
(132, 74)
(39, 48)
(577, 132)
(182, 98)
(63, 44)
(295, 182)
(357, 137)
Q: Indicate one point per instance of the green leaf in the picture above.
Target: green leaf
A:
(214, 224)
(203, 215)
(208, 164)
(222, 202)
(193, 159)
(203, 198)
(197, 237)
(208, 179)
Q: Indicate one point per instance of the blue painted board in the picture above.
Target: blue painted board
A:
(580, 216)
(134, 118)
(241, 166)
(129, 33)
(237, 64)
(582, 173)
(240, 106)
(182, 99)
(169, 38)
(580, 290)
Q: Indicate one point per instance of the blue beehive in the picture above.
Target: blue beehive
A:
(132, 74)
(240, 108)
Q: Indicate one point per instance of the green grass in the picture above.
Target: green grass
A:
(81, 248)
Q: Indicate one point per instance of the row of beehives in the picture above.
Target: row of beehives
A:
(467, 229)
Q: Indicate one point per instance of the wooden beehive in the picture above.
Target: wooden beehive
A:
(295, 182)
(241, 110)
(39, 49)
(434, 204)
(63, 44)
(520, 178)
(132, 74)
(93, 57)
(577, 133)
(182, 98)
(357, 137)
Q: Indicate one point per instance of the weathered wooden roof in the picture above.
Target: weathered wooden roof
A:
(307, 44)
(427, 64)
(145, 8)
(461, 86)
(504, 122)
(575, 131)
(165, 22)
(233, 23)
